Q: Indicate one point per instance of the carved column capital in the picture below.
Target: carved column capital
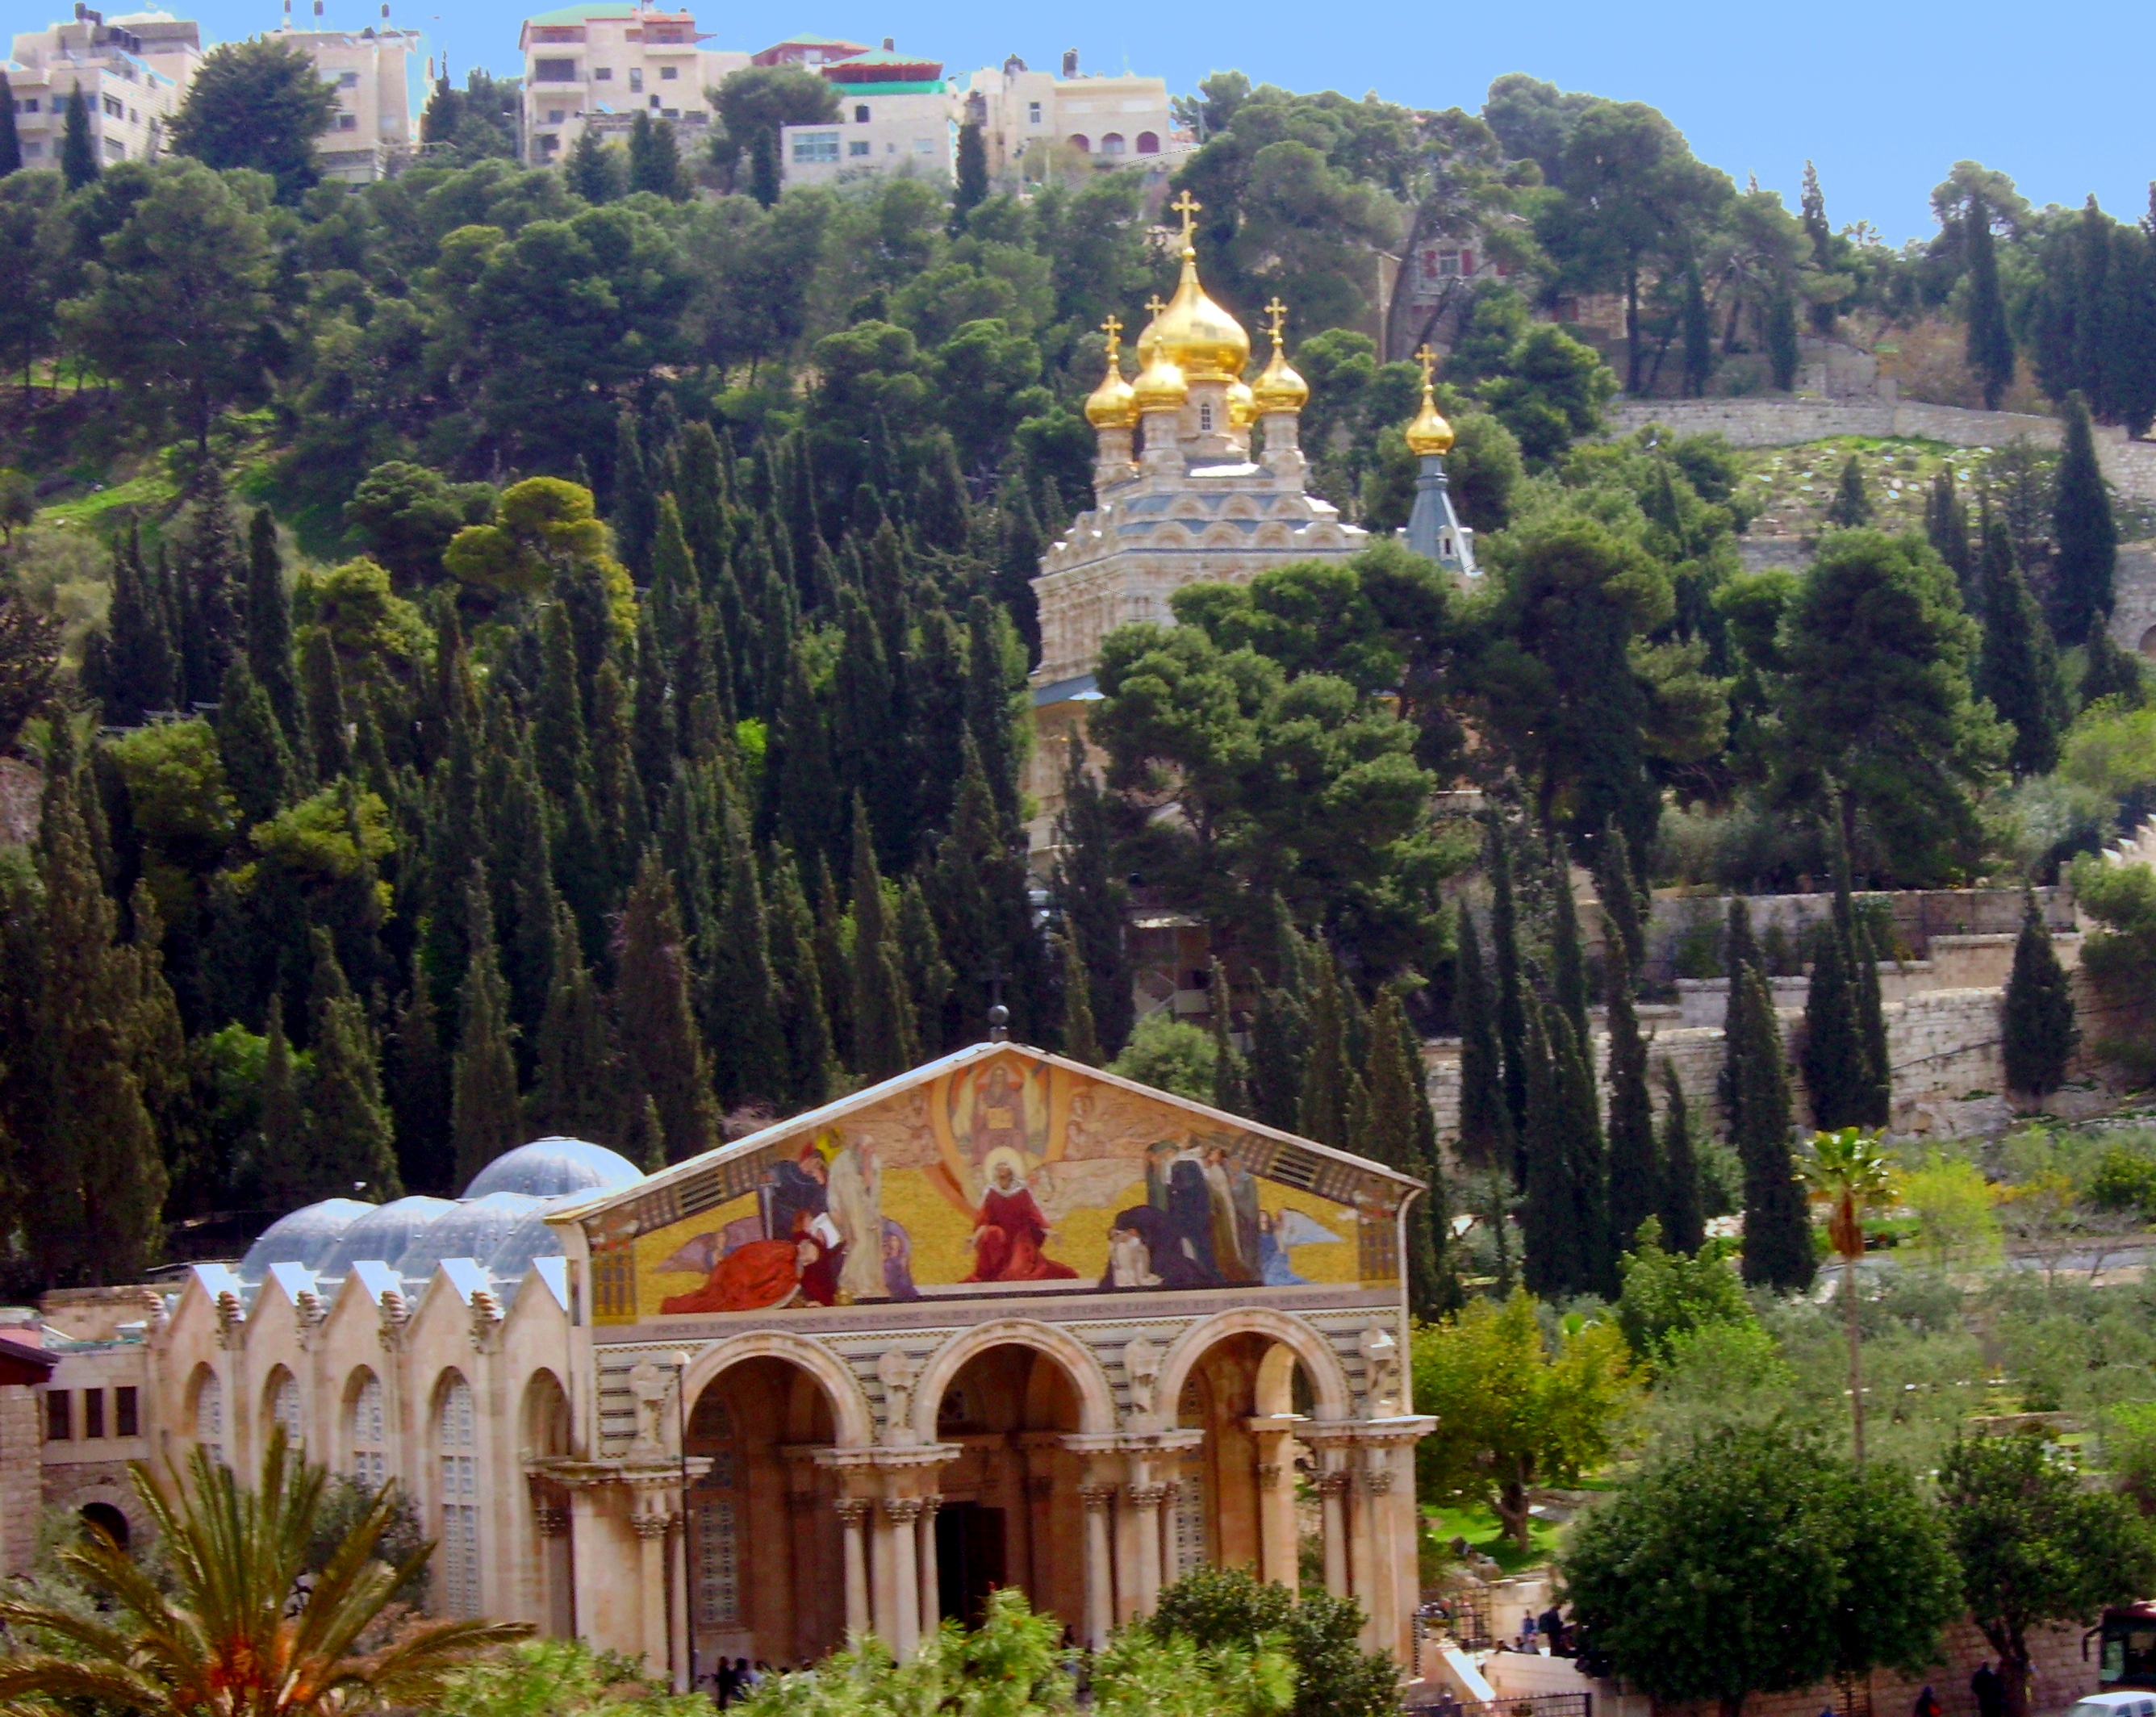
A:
(852, 1510)
(654, 1525)
(902, 1510)
(1097, 1498)
(1269, 1475)
(1147, 1496)
(1377, 1481)
(1333, 1483)
(553, 1522)
(930, 1506)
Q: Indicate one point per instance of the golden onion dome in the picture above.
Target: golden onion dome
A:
(1278, 388)
(1429, 433)
(1195, 333)
(1112, 405)
(1242, 406)
(1160, 386)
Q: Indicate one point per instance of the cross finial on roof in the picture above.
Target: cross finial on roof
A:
(1276, 322)
(1187, 206)
(1113, 328)
(1428, 360)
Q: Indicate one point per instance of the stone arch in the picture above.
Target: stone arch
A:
(1221, 536)
(1096, 1401)
(363, 1431)
(1239, 506)
(107, 1519)
(851, 1421)
(1275, 535)
(2147, 647)
(281, 1404)
(205, 1420)
(1331, 1396)
(544, 1424)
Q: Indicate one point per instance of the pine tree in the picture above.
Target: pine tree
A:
(1777, 1237)
(1851, 506)
(574, 1093)
(79, 162)
(2037, 1023)
(351, 1144)
(1512, 1016)
(419, 1090)
(269, 621)
(812, 1056)
(2086, 537)
(287, 1174)
(2017, 668)
(11, 145)
(1093, 898)
(594, 171)
(1636, 1191)
(1990, 346)
(1329, 1077)
(885, 1044)
(1486, 1122)
(484, 1120)
(1080, 1041)
(1684, 1221)
(328, 725)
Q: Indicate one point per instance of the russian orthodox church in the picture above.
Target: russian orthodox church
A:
(1184, 493)
(1002, 1320)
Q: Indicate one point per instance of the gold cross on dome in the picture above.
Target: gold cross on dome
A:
(1187, 206)
(1113, 329)
(1278, 313)
(1428, 360)
(1154, 304)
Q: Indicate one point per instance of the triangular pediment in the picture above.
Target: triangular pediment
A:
(1000, 1169)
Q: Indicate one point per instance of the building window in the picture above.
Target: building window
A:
(28, 106)
(370, 1463)
(125, 1416)
(816, 146)
(209, 1416)
(60, 1426)
(554, 116)
(348, 80)
(602, 75)
(1112, 144)
(134, 118)
(114, 149)
(636, 80)
(115, 108)
(924, 146)
(718, 1559)
(1032, 113)
(668, 73)
(1205, 420)
(455, 1441)
(1078, 142)
(348, 122)
(32, 150)
(1448, 263)
(93, 1413)
(859, 147)
(553, 71)
(1148, 142)
(284, 1407)
(655, 103)
(1467, 262)
(861, 114)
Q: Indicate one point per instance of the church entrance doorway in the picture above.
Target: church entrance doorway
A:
(971, 1540)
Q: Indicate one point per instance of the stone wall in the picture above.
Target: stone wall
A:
(1781, 422)
(21, 1482)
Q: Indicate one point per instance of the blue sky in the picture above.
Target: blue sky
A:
(1884, 97)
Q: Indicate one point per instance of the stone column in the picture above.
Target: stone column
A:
(898, 1553)
(931, 1573)
(677, 1581)
(1374, 1562)
(852, 1515)
(1171, 1525)
(1100, 1579)
(1145, 1501)
(1038, 1506)
(1278, 1559)
(650, 1524)
(1333, 1498)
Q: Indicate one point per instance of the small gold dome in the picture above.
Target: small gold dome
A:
(1429, 433)
(1195, 333)
(1242, 406)
(1278, 388)
(1160, 386)
(1112, 405)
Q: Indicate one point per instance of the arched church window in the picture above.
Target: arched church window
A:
(209, 1416)
(1206, 418)
(1081, 143)
(456, 1444)
(370, 1458)
(284, 1406)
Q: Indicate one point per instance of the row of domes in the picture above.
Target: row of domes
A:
(500, 1223)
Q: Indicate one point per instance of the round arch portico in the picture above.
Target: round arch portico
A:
(1096, 1399)
(852, 1423)
(1331, 1398)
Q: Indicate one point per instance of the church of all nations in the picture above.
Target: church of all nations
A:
(1002, 1320)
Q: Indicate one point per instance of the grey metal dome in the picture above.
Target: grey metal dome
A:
(303, 1237)
(474, 1228)
(384, 1234)
(529, 1239)
(548, 1168)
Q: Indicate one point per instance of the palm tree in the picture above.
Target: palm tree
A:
(241, 1634)
(1849, 1173)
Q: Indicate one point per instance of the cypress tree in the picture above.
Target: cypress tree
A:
(270, 621)
(483, 1116)
(1636, 1191)
(658, 1026)
(1740, 954)
(350, 1143)
(1329, 1079)
(1566, 1217)
(2037, 1024)
(971, 188)
(212, 565)
(1781, 336)
(2110, 672)
(1390, 1131)
(1851, 506)
(142, 665)
(813, 1056)
(1486, 1122)
(1778, 1237)
(809, 812)
(1873, 1106)
(1569, 975)
(2017, 668)
(1080, 1041)
(993, 682)
(557, 721)
(884, 1042)
(1280, 1036)
(530, 919)
(79, 162)
(328, 726)
(1512, 1017)
(740, 992)
(929, 978)
(1230, 1083)
(258, 763)
(617, 794)
(288, 1178)
(833, 968)
(1684, 1220)
(1017, 562)
(11, 144)
(941, 515)
(2086, 537)
(1946, 528)
(1833, 1056)
(1990, 343)
(633, 515)
(574, 1093)
(419, 1089)
(594, 172)
(984, 913)
(1093, 898)
(1616, 884)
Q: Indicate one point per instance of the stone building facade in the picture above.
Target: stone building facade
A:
(1002, 1320)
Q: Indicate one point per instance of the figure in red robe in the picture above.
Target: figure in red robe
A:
(1009, 1231)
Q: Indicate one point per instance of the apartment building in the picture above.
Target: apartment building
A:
(373, 71)
(1112, 120)
(598, 63)
(897, 115)
(133, 73)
